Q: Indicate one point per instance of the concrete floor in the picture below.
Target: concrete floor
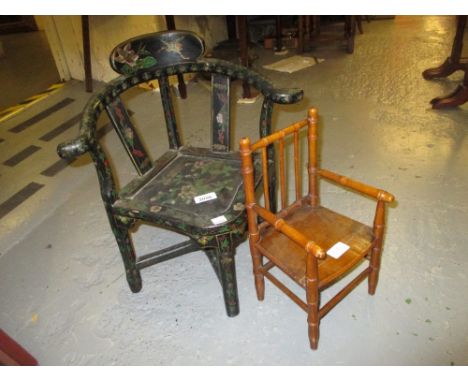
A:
(63, 292)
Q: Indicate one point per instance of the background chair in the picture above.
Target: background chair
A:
(299, 240)
(165, 191)
(309, 29)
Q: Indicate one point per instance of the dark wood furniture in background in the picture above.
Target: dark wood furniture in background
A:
(309, 30)
(453, 63)
(167, 191)
(298, 238)
(244, 51)
(87, 54)
(17, 24)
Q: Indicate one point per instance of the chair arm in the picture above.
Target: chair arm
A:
(357, 186)
(285, 96)
(73, 148)
(83, 143)
(292, 233)
(261, 83)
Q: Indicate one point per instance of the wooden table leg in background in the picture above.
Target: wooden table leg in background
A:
(231, 27)
(279, 35)
(244, 50)
(300, 34)
(314, 25)
(350, 33)
(87, 54)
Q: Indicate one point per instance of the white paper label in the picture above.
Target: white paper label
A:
(205, 197)
(219, 220)
(337, 250)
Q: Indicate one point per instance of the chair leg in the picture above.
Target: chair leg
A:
(212, 255)
(374, 269)
(227, 272)
(313, 322)
(359, 24)
(313, 303)
(374, 266)
(128, 256)
(258, 274)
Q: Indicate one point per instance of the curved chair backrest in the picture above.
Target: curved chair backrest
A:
(158, 56)
(156, 50)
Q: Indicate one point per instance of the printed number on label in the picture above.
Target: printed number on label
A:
(205, 197)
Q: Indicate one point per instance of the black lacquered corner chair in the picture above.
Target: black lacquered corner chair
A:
(197, 192)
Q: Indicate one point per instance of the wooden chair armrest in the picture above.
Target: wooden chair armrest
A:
(296, 236)
(357, 186)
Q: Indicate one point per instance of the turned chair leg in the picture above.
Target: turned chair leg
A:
(227, 274)
(374, 269)
(313, 303)
(374, 266)
(128, 256)
(258, 274)
(313, 321)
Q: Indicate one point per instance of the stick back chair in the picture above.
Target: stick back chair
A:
(298, 239)
(194, 191)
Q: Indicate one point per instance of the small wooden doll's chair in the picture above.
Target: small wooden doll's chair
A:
(302, 239)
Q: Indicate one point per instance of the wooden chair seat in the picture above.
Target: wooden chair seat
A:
(325, 228)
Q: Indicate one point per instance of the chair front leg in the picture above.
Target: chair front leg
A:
(127, 251)
(212, 255)
(227, 273)
(313, 300)
(257, 260)
(119, 229)
(379, 225)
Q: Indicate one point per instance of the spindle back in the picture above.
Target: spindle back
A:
(280, 136)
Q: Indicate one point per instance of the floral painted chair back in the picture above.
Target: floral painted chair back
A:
(164, 50)
(194, 191)
(156, 50)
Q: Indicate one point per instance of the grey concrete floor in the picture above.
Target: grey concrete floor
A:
(63, 291)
